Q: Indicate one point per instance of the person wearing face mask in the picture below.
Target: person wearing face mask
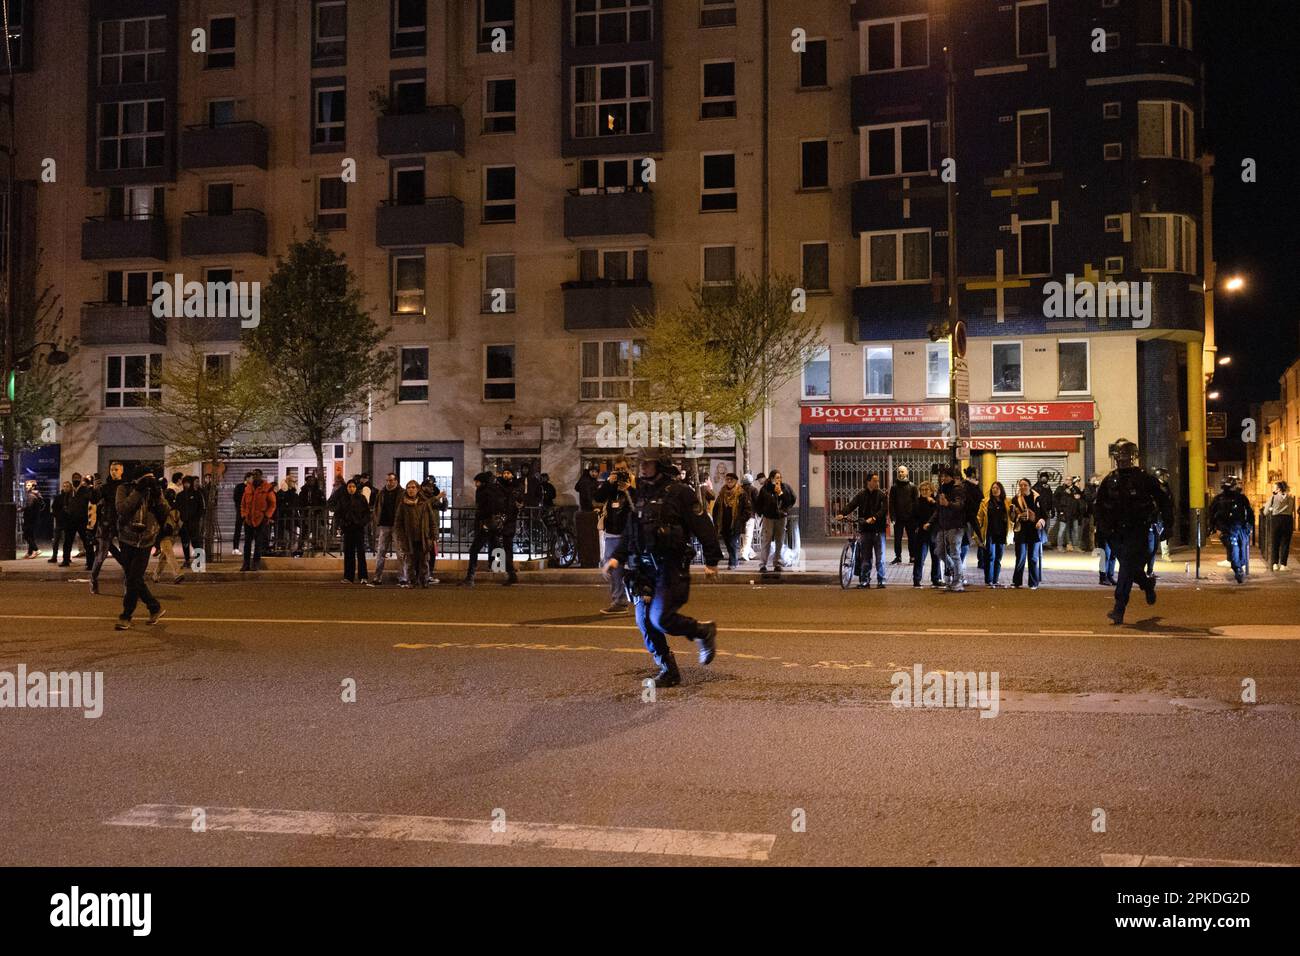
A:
(775, 499)
(59, 511)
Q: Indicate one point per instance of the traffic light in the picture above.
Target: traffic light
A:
(10, 384)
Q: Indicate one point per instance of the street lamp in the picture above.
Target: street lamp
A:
(1225, 360)
(1234, 284)
(1213, 396)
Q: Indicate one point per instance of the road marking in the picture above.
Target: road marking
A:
(1138, 859)
(386, 826)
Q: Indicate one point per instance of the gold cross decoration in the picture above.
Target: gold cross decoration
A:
(999, 283)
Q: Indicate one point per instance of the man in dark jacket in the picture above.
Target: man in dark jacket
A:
(58, 513)
(106, 523)
(972, 495)
(950, 517)
(1128, 502)
(141, 514)
(33, 516)
(78, 517)
(1047, 506)
(614, 499)
(775, 499)
(384, 504)
(731, 512)
(656, 550)
(548, 491)
(191, 507)
(237, 492)
(870, 506)
(902, 509)
(490, 505)
(1232, 516)
(514, 493)
(586, 487)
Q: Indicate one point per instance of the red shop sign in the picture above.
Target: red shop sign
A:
(1013, 443)
(895, 414)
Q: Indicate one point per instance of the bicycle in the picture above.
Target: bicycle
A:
(563, 543)
(849, 563)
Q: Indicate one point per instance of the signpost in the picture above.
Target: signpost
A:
(1216, 424)
(959, 390)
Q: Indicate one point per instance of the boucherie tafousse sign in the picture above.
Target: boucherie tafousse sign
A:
(1010, 443)
(893, 414)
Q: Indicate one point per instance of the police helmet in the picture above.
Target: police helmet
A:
(1123, 448)
(1228, 484)
(1162, 474)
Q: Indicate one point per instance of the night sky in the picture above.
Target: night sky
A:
(1252, 81)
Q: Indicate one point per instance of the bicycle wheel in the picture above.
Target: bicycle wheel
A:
(565, 549)
(848, 564)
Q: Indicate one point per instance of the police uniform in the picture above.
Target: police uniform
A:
(656, 551)
(490, 508)
(1159, 531)
(1129, 503)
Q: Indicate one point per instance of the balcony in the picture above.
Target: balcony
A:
(143, 237)
(439, 220)
(883, 97)
(228, 145)
(605, 303)
(111, 323)
(438, 129)
(240, 231)
(603, 212)
(878, 203)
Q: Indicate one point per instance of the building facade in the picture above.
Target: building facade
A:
(529, 174)
(1273, 455)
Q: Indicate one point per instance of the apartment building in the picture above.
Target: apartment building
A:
(529, 174)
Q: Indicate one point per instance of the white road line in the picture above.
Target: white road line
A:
(386, 826)
(1138, 859)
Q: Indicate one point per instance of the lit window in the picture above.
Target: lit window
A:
(1167, 243)
(936, 370)
(1072, 367)
(879, 365)
(609, 369)
(408, 285)
(414, 383)
(1166, 130)
(816, 384)
(614, 100)
(1006, 369)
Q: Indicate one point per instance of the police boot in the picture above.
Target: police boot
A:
(708, 641)
(1149, 589)
(1101, 578)
(669, 675)
(1116, 614)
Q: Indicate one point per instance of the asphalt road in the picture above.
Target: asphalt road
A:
(525, 707)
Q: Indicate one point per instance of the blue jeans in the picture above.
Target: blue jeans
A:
(922, 551)
(1028, 554)
(993, 561)
(871, 543)
(1237, 541)
(616, 593)
(658, 617)
(1106, 563)
(948, 545)
(1065, 533)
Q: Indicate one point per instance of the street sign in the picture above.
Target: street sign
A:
(5, 406)
(1216, 424)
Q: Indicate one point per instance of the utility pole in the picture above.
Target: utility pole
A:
(8, 509)
(958, 376)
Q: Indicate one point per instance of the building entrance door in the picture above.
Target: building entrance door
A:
(417, 469)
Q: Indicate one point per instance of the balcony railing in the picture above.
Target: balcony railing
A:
(605, 303)
(436, 129)
(208, 234)
(125, 237)
(609, 212)
(438, 220)
(230, 144)
(113, 323)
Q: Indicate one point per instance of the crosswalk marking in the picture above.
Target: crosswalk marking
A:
(386, 826)
(1139, 859)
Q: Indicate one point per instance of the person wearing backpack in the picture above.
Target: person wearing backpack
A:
(171, 528)
(489, 524)
(1232, 516)
(141, 514)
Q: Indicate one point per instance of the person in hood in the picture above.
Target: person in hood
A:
(312, 511)
(352, 516)
(413, 526)
(871, 507)
(59, 512)
(192, 507)
(256, 509)
(141, 514)
(77, 515)
(106, 523)
(548, 491)
(586, 487)
(490, 506)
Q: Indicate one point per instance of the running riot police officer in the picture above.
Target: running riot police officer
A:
(1158, 539)
(1129, 503)
(656, 550)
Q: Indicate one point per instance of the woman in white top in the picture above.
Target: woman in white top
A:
(1281, 511)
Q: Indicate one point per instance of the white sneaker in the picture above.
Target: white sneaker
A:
(1276, 566)
(1225, 564)
(1283, 567)
(236, 551)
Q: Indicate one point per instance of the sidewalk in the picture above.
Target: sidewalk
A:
(819, 565)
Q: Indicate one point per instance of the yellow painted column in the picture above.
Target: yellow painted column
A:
(1195, 425)
(988, 470)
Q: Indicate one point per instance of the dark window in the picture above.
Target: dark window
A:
(332, 203)
(499, 373)
(913, 43)
(499, 194)
(719, 91)
(131, 135)
(408, 186)
(816, 267)
(812, 64)
(331, 116)
(915, 148)
(409, 18)
(499, 106)
(331, 30)
(221, 43)
(221, 199)
(1035, 249)
(816, 165)
(496, 15)
(717, 13)
(1031, 28)
(1150, 25)
(414, 386)
(408, 96)
(880, 48)
(719, 182)
(221, 112)
(1035, 147)
(16, 47)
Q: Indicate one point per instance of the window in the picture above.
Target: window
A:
(812, 65)
(901, 44)
(221, 112)
(330, 125)
(408, 284)
(331, 30)
(1006, 369)
(719, 265)
(611, 175)
(1031, 28)
(936, 370)
(132, 381)
(131, 51)
(224, 294)
(221, 43)
(499, 274)
(611, 21)
(135, 202)
(494, 15)
(499, 105)
(1167, 22)
(719, 189)
(408, 96)
(1035, 248)
(1114, 223)
(879, 365)
(901, 149)
(1112, 151)
(217, 365)
(220, 199)
(1113, 264)
(816, 272)
(331, 203)
(609, 369)
(499, 194)
(498, 373)
(1034, 137)
(413, 386)
(896, 257)
(133, 289)
(1168, 243)
(1165, 130)
(408, 186)
(1111, 111)
(131, 134)
(717, 13)
(614, 265)
(612, 100)
(814, 164)
(408, 25)
(816, 384)
(719, 91)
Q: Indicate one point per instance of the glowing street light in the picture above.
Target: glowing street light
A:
(1212, 396)
(1235, 284)
(1225, 359)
